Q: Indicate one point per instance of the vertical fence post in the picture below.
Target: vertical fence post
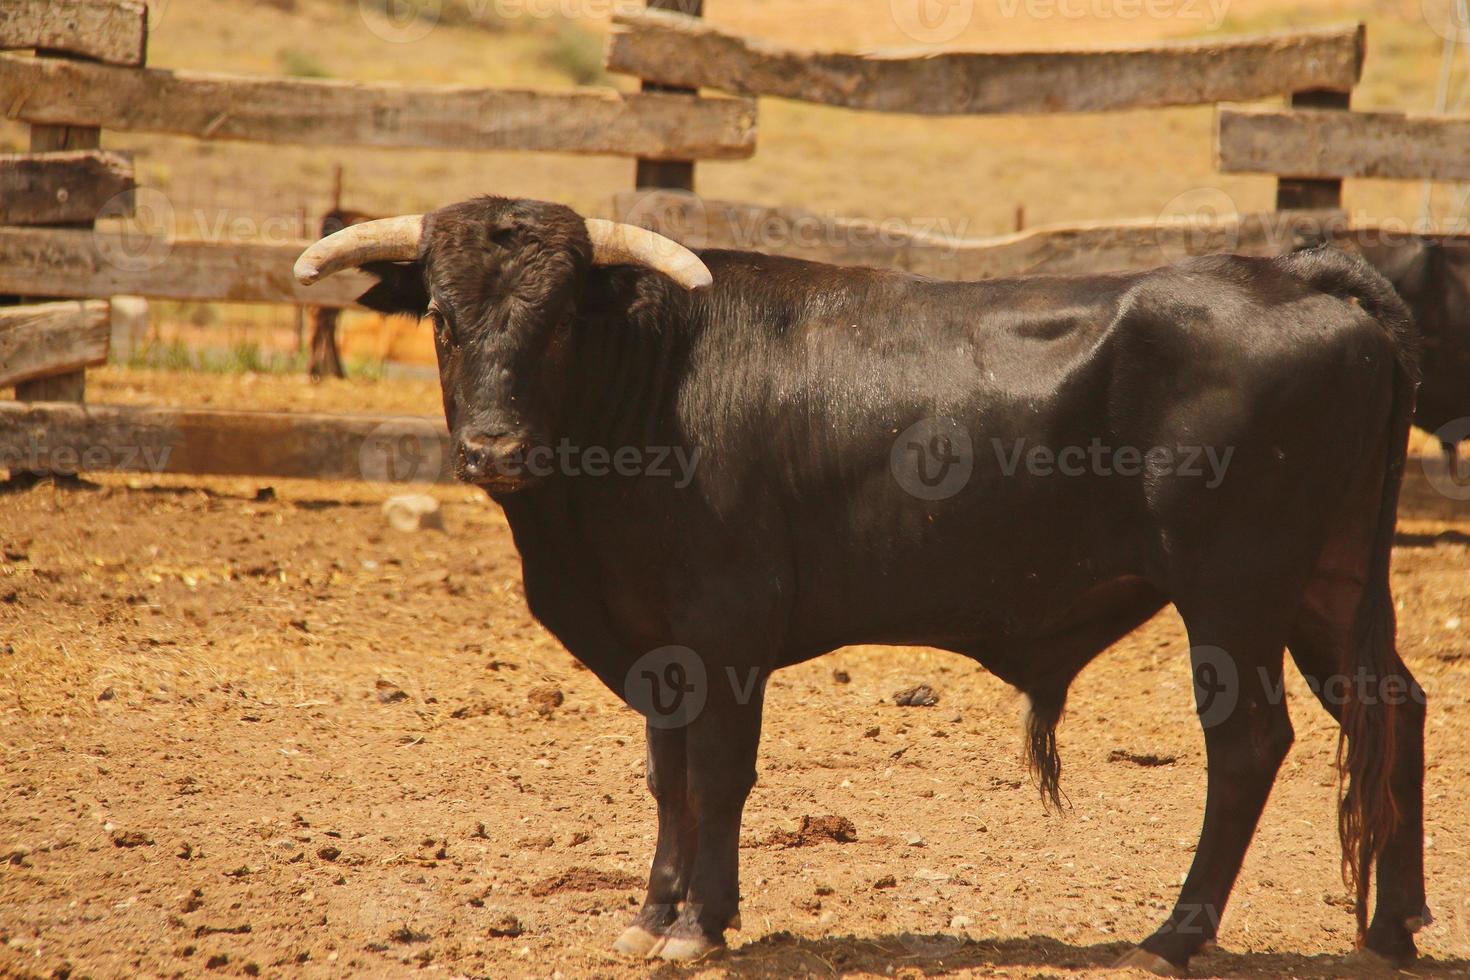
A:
(677, 175)
(70, 387)
(1300, 193)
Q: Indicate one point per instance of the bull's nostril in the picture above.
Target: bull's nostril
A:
(490, 455)
(475, 458)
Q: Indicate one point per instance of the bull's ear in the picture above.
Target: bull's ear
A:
(400, 289)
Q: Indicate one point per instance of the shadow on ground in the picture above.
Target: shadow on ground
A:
(784, 955)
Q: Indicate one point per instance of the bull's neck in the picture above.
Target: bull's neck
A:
(631, 340)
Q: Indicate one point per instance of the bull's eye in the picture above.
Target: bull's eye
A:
(443, 334)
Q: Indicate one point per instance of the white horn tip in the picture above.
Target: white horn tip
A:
(696, 278)
(306, 272)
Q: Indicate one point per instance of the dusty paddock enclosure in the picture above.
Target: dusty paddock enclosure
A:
(209, 769)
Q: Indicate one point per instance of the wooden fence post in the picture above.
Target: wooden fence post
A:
(1307, 194)
(70, 387)
(676, 175)
(64, 190)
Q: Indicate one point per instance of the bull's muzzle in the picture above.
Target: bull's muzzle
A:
(498, 461)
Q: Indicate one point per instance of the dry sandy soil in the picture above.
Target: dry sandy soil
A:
(251, 736)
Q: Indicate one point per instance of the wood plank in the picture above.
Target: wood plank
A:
(676, 50)
(87, 264)
(64, 187)
(96, 438)
(47, 339)
(314, 112)
(114, 31)
(1325, 143)
(1063, 250)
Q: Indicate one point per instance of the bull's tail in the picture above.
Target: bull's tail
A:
(1044, 711)
(1366, 748)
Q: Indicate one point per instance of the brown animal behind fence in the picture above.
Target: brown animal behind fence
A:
(325, 360)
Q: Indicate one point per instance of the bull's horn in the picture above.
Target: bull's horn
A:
(619, 244)
(397, 240)
(384, 240)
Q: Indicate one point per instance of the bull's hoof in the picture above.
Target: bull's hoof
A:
(1369, 961)
(1391, 942)
(636, 941)
(1139, 958)
(685, 948)
(1396, 956)
(734, 922)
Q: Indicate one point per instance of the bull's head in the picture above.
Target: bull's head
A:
(501, 280)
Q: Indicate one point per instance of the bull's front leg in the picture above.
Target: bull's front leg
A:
(720, 753)
(673, 855)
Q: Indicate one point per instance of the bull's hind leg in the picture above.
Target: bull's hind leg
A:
(1321, 645)
(673, 855)
(1237, 660)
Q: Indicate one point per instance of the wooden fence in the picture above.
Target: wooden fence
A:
(90, 73)
(1313, 67)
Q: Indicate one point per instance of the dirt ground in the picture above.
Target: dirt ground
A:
(264, 734)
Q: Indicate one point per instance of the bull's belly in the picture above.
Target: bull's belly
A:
(976, 606)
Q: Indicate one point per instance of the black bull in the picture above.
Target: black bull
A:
(992, 468)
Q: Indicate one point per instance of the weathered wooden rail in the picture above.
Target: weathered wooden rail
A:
(65, 187)
(1327, 143)
(70, 262)
(674, 49)
(116, 33)
(314, 112)
(1102, 246)
(43, 339)
(48, 437)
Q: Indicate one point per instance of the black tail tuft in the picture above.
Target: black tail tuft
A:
(1041, 743)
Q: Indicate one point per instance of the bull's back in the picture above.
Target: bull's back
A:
(970, 458)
